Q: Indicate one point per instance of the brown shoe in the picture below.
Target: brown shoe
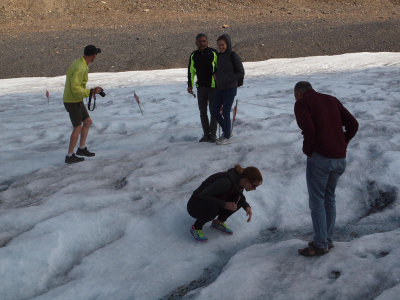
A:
(330, 245)
(313, 250)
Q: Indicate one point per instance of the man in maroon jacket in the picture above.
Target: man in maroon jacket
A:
(321, 119)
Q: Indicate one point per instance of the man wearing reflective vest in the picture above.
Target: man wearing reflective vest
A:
(202, 63)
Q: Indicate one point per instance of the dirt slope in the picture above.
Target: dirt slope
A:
(41, 37)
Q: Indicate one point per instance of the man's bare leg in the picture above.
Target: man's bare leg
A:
(84, 132)
(74, 139)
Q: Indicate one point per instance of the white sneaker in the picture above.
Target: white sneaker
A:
(223, 141)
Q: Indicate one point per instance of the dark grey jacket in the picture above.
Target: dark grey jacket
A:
(227, 63)
(220, 188)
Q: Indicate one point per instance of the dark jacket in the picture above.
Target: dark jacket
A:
(229, 68)
(321, 119)
(202, 64)
(220, 188)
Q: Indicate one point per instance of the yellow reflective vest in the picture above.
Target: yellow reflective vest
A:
(75, 83)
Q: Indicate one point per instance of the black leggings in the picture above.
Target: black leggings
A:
(204, 212)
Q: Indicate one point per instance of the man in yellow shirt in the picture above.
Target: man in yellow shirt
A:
(74, 92)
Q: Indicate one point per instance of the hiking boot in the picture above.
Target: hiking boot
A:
(223, 141)
(221, 227)
(313, 250)
(73, 159)
(205, 138)
(198, 235)
(212, 138)
(84, 152)
(330, 245)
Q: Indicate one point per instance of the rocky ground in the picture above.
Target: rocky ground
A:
(42, 37)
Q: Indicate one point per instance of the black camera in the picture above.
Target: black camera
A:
(102, 93)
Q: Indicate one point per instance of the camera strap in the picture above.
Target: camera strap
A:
(90, 101)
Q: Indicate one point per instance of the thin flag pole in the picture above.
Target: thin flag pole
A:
(234, 115)
(137, 101)
(219, 126)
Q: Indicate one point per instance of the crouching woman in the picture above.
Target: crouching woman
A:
(219, 196)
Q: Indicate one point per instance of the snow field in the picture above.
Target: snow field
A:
(116, 226)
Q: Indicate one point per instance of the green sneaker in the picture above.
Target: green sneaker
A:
(198, 235)
(221, 227)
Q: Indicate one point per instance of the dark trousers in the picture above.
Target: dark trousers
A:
(205, 96)
(224, 98)
(204, 212)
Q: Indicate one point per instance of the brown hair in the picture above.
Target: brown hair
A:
(251, 173)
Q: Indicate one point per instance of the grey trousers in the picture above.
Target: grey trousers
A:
(206, 96)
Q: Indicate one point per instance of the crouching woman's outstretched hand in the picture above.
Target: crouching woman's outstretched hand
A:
(249, 213)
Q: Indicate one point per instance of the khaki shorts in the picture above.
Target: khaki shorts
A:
(77, 113)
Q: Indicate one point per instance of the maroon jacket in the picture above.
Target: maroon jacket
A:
(321, 119)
